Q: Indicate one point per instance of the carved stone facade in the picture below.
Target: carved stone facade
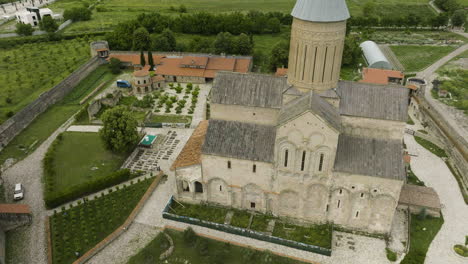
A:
(315, 54)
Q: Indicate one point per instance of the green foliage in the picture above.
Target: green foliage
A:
(82, 227)
(410, 121)
(150, 60)
(352, 52)
(318, 235)
(422, 214)
(243, 45)
(448, 5)
(182, 9)
(48, 24)
(422, 232)
(146, 102)
(431, 147)
(77, 14)
(141, 39)
(165, 41)
(456, 85)
(459, 18)
(416, 57)
(24, 29)
(114, 65)
(412, 178)
(190, 238)
(119, 131)
(170, 119)
(279, 55)
(461, 250)
(82, 116)
(392, 256)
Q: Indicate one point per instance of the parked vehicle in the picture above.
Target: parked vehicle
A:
(124, 84)
(19, 192)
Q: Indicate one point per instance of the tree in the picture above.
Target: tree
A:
(24, 29)
(114, 65)
(273, 25)
(439, 21)
(119, 132)
(199, 44)
(164, 41)
(369, 9)
(458, 18)
(169, 36)
(77, 14)
(141, 39)
(48, 24)
(224, 43)
(142, 59)
(352, 51)
(279, 55)
(243, 45)
(182, 9)
(150, 60)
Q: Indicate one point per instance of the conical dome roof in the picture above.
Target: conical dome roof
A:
(321, 10)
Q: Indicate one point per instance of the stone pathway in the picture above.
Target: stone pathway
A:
(200, 110)
(433, 171)
(399, 233)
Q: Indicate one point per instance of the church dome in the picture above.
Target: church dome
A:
(321, 10)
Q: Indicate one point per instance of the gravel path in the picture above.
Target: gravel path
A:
(29, 243)
(433, 171)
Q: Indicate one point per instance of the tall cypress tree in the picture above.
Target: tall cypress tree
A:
(142, 59)
(150, 60)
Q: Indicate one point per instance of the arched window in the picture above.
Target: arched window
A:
(322, 157)
(138, 81)
(198, 187)
(220, 188)
(286, 153)
(185, 186)
(303, 160)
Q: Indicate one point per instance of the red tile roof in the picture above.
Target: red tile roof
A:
(141, 73)
(135, 58)
(14, 209)
(379, 76)
(191, 153)
(194, 61)
(280, 72)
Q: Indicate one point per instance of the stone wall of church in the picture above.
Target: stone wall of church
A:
(258, 115)
(363, 203)
(315, 54)
(374, 128)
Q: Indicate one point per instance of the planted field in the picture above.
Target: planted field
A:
(28, 70)
(80, 228)
(200, 250)
(417, 58)
(422, 232)
(45, 124)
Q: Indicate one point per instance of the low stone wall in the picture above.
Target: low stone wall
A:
(453, 143)
(13, 126)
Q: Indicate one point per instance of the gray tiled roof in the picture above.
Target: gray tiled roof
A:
(240, 140)
(248, 89)
(371, 157)
(315, 104)
(321, 10)
(388, 102)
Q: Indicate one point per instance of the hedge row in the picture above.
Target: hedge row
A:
(14, 41)
(246, 233)
(56, 198)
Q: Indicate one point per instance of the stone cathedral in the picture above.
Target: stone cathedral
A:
(308, 147)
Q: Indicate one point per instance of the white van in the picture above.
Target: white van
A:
(19, 192)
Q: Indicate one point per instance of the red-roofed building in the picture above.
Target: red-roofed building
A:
(281, 72)
(381, 76)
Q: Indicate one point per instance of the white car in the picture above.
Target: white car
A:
(19, 192)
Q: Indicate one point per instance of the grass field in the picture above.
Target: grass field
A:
(80, 228)
(28, 70)
(202, 251)
(416, 58)
(45, 124)
(431, 147)
(116, 11)
(422, 232)
(81, 157)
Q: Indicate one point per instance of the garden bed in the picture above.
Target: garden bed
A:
(170, 119)
(80, 228)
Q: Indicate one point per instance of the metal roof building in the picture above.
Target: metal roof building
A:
(374, 56)
(321, 10)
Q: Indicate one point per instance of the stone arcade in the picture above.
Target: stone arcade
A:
(309, 147)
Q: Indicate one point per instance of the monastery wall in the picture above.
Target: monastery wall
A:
(257, 115)
(374, 128)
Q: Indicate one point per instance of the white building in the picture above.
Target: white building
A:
(32, 15)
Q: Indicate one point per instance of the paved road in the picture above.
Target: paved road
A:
(454, 117)
(29, 242)
(433, 171)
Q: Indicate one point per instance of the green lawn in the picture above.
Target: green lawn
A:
(203, 251)
(208, 213)
(422, 232)
(318, 235)
(413, 179)
(170, 119)
(431, 147)
(45, 124)
(80, 228)
(28, 70)
(81, 157)
(416, 58)
(402, 37)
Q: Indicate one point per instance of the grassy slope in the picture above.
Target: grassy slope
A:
(77, 156)
(45, 124)
(84, 226)
(215, 252)
(421, 239)
(416, 58)
(31, 69)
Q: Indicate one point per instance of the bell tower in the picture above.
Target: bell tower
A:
(317, 41)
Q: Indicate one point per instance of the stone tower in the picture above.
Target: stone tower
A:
(317, 41)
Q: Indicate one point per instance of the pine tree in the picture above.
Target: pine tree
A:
(150, 60)
(142, 59)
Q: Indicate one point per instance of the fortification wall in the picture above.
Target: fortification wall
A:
(23, 118)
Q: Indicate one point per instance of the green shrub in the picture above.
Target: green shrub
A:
(392, 256)
(190, 237)
(431, 147)
(461, 250)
